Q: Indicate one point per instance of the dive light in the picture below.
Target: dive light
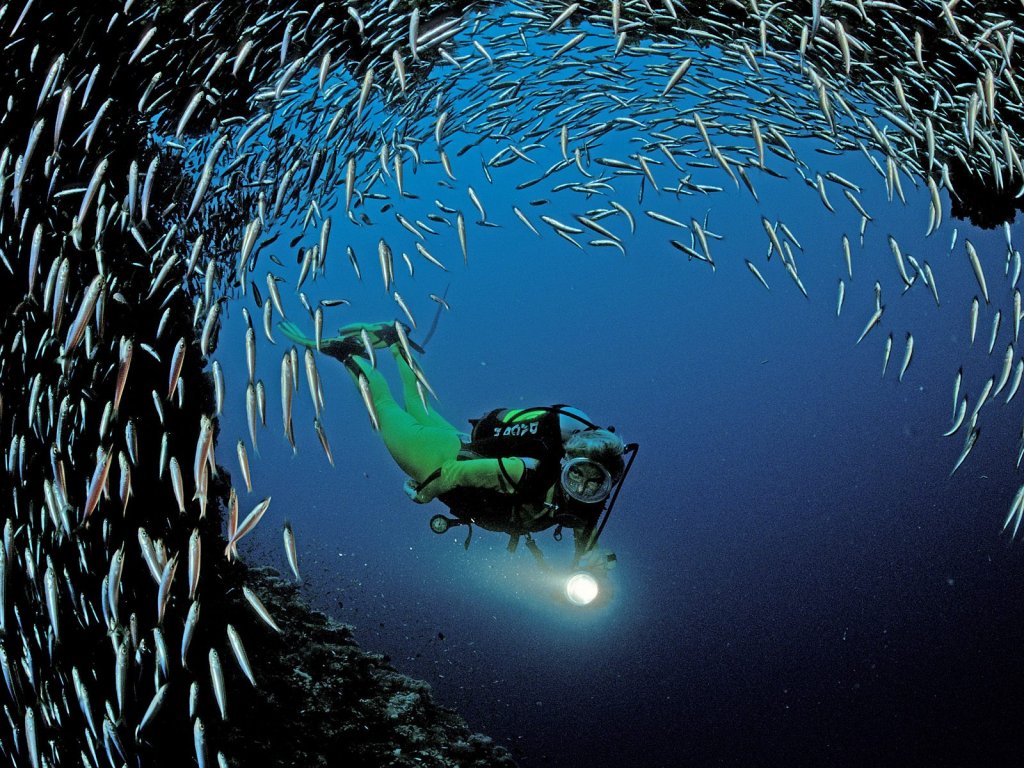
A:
(581, 588)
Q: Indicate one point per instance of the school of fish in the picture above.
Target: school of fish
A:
(151, 157)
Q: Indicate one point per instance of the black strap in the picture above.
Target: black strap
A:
(428, 480)
(467, 454)
(433, 325)
(537, 554)
(507, 476)
(596, 534)
(559, 408)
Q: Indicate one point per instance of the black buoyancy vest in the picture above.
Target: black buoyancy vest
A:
(503, 433)
(526, 432)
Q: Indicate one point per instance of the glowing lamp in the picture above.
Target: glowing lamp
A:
(581, 589)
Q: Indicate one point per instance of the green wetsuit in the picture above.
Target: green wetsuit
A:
(422, 441)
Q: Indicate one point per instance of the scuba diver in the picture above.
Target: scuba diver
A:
(519, 471)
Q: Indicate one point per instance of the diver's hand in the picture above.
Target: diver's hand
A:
(598, 559)
(411, 490)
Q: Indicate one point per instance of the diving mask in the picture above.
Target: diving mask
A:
(585, 480)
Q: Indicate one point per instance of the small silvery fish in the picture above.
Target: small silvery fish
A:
(290, 549)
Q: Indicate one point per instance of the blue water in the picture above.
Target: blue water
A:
(799, 580)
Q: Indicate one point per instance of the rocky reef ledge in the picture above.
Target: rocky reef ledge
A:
(323, 701)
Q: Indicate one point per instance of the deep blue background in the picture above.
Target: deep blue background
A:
(800, 581)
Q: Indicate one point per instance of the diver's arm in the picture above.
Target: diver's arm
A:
(581, 539)
(496, 474)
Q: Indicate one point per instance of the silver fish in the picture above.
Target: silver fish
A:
(1018, 371)
(250, 521)
(972, 439)
(31, 737)
(121, 676)
(52, 598)
(155, 705)
(232, 521)
(195, 551)
(191, 621)
(250, 411)
(1004, 375)
(275, 295)
(206, 176)
(386, 263)
(243, 463)
(364, 391)
(204, 448)
(872, 322)
(217, 679)
(290, 550)
(176, 484)
(460, 224)
(313, 381)
(164, 591)
(996, 321)
(979, 274)
(114, 582)
(199, 740)
(1016, 512)
(401, 303)
(322, 437)
(261, 401)
(218, 387)
(907, 355)
(177, 361)
(88, 197)
(983, 398)
(235, 640)
(260, 609)
(149, 555)
(209, 328)
(268, 321)
(85, 310)
(98, 481)
(250, 352)
(286, 398)
(676, 76)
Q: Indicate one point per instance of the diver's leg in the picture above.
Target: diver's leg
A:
(349, 340)
(417, 448)
(413, 402)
